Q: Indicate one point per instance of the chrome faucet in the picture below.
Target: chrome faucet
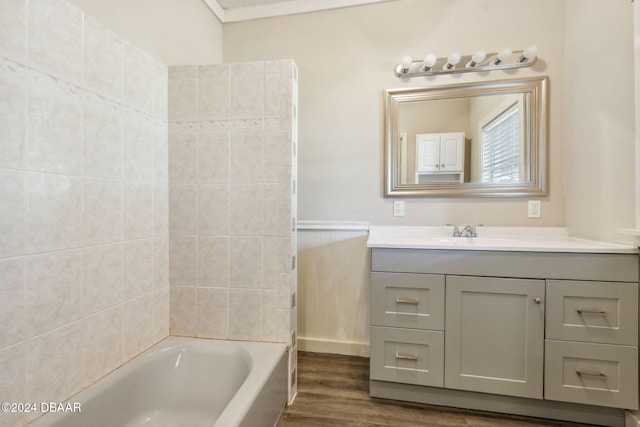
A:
(456, 230)
(467, 231)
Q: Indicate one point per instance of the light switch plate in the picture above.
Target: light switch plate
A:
(398, 208)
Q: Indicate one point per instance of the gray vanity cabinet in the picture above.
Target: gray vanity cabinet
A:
(495, 335)
(553, 334)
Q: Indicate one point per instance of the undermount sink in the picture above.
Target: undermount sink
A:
(533, 239)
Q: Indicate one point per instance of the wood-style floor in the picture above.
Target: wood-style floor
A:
(333, 390)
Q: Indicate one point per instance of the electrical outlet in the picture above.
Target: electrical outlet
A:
(398, 208)
(534, 208)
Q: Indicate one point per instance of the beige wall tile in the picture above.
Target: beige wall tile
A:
(161, 154)
(246, 210)
(213, 261)
(103, 58)
(183, 100)
(12, 117)
(213, 92)
(13, 382)
(213, 210)
(246, 157)
(102, 142)
(213, 158)
(137, 268)
(12, 310)
(161, 313)
(55, 212)
(55, 125)
(182, 260)
(183, 311)
(13, 32)
(245, 314)
(138, 148)
(53, 290)
(138, 330)
(161, 262)
(138, 210)
(138, 83)
(13, 211)
(184, 204)
(246, 262)
(102, 211)
(160, 210)
(102, 342)
(247, 90)
(55, 49)
(102, 278)
(213, 313)
(54, 364)
(182, 158)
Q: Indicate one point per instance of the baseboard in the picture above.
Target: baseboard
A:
(632, 419)
(315, 345)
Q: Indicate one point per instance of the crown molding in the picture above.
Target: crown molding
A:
(291, 7)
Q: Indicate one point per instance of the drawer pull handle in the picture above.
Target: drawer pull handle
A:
(592, 313)
(591, 375)
(402, 357)
(407, 301)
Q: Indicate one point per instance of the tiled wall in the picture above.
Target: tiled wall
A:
(232, 130)
(84, 282)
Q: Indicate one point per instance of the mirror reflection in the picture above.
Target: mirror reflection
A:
(473, 139)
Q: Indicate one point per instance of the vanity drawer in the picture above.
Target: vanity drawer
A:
(593, 374)
(407, 300)
(599, 312)
(408, 356)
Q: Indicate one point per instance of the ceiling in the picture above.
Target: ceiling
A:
(243, 10)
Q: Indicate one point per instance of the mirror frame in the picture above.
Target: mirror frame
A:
(536, 88)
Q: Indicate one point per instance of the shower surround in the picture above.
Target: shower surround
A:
(84, 202)
(232, 201)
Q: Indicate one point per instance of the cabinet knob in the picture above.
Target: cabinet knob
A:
(538, 300)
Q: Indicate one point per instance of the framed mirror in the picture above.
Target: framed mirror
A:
(485, 139)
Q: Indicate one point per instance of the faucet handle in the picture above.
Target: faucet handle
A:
(456, 230)
(473, 230)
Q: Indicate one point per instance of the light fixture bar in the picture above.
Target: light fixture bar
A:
(466, 64)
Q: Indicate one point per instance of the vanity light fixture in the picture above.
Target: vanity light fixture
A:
(405, 64)
(528, 54)
(452, 61)
(479, 61)
(428, 62)
(502, 56)
(477, 58)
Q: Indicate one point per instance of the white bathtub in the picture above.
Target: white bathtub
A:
(186, 382)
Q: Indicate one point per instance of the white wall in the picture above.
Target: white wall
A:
(346, 57)
(599, 167)
(176, 32)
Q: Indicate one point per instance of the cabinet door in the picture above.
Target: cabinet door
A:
(451, 152)
(427, 153)
(494, 338)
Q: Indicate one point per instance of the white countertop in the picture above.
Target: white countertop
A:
(523, 239)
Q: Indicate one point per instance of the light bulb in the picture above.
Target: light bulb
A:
(503, 55)
(529, 53)
(477, 57)
(429, 61)
(452, 61)
(405, 63)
